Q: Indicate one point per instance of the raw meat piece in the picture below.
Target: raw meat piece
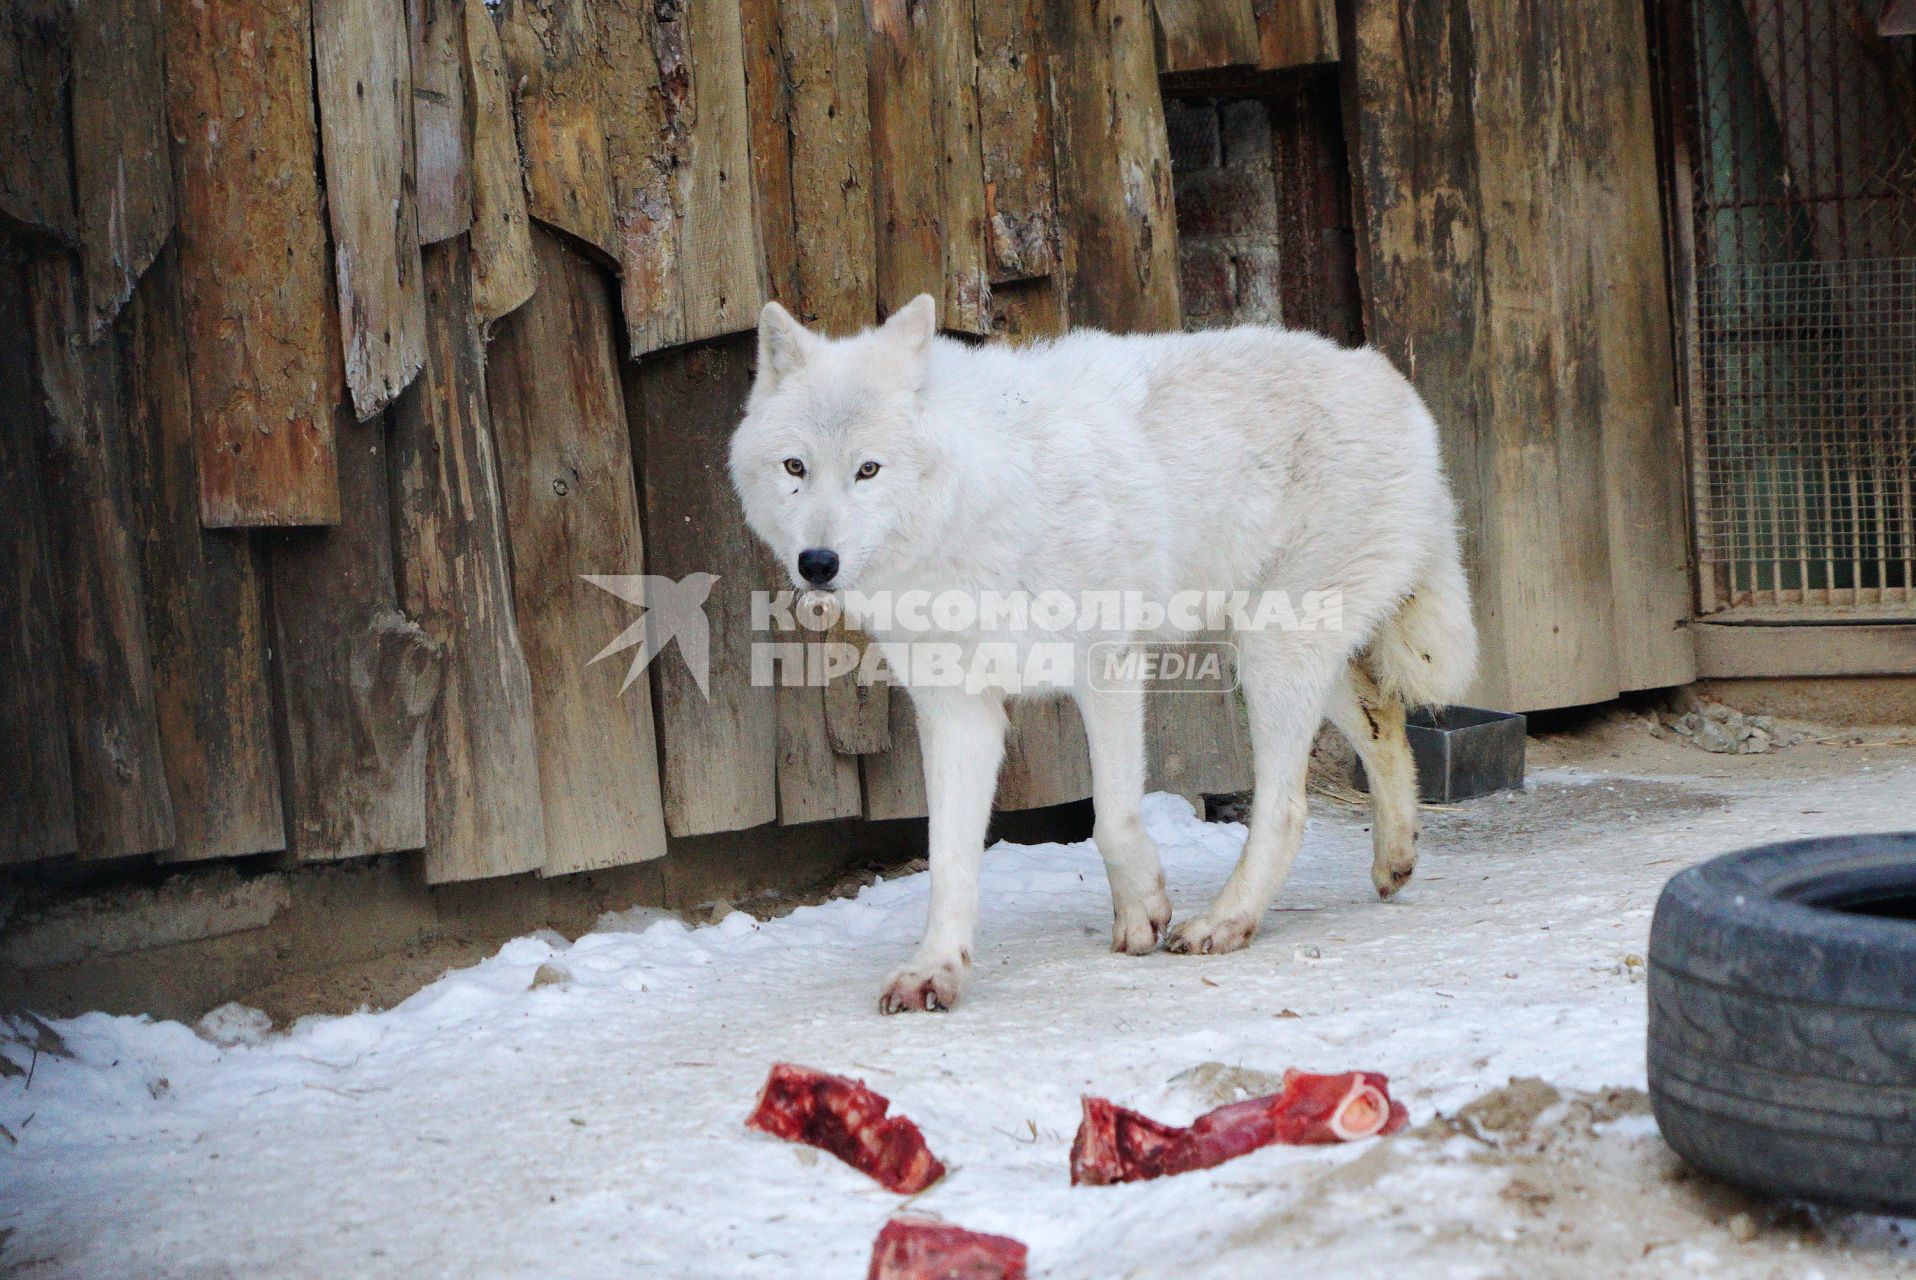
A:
(845, 1118)
(916, 1249)
(1115, 1144)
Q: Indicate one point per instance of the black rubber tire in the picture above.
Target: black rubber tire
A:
(1783, 1019)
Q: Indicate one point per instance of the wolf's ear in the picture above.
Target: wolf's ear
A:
(783, 344)
(913, 324)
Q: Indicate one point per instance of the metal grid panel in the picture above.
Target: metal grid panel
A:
(1804, 205)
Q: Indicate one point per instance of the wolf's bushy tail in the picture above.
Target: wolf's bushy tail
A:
(1426, 653)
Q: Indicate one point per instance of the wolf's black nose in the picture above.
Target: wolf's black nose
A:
(818, 566)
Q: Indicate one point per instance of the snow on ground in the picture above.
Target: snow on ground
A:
(591, 1127)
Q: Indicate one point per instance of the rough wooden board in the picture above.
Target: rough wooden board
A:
(769, 115)
(36, 167)
(906, 189)
(1643, 440)
(815, 782)
(1114, 181)
(672, 86)
(551, 68)
(1547, 398)
(258, 313)
(719, 755)
(363, 79)
(1114, 168)
(895, 779)
(122, 175)
(966, 303)
(1029, 310)
(205, 613)
(1728, 652)
(119, 777)
(1046, 758)
(857, 715)
(36, 774)
(484, 813)
(1195, 743)
(1202, 35)
(354, 679)
(1535, 323)
(442, 171)
(1295, 33)
(503, 276)
(825, 53)
(1419, 244)
(565, 470)
(1014, 117)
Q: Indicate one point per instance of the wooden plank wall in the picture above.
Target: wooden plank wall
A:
(1550, 371)
(363, 330)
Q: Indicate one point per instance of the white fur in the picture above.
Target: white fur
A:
(1249, 459)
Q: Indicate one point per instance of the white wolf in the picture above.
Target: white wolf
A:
(1252, 459)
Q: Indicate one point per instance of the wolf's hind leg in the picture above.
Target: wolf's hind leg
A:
(963, 738)
(1286, 682)
(1114, 730)
(1374, 722)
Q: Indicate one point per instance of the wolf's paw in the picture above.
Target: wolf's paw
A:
(1206, 936)
(1389, 877)
(928, 985)
(1138, 927)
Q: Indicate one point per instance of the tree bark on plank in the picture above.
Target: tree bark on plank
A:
(36, 771)
(672, 86)
(552, 66)
(122, 172)
(1120, 248)
(719, 754)
(1014, 112)
(484, 815)
(904, 137)
(205, 612)
(966, 301)
(1203, 35)
(257, 308)
(442, 166)
(36, 166)
(565, 466)
(825, 56)
(828, 202)
(363, 77)
(503, 276)
(1296, 33)
(119, 775)
(768, 106)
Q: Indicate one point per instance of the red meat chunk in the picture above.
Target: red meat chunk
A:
(845, 1118)
(1115, 1144)
(915, 1249)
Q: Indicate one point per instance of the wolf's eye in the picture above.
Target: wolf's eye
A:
(868, 470)
(794, 467)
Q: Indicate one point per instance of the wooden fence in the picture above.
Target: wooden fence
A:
(361, 329)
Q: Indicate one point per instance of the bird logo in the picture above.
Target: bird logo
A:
(674, 610)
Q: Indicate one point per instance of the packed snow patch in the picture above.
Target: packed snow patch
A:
(577, 1109)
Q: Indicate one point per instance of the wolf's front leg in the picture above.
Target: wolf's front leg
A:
(1114, 730)
(963, 741)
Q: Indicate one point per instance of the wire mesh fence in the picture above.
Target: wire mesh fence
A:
(1803, 174)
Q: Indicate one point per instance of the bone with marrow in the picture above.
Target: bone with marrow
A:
(1116, 1144)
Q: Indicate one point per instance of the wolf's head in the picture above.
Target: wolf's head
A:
(834, 463)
